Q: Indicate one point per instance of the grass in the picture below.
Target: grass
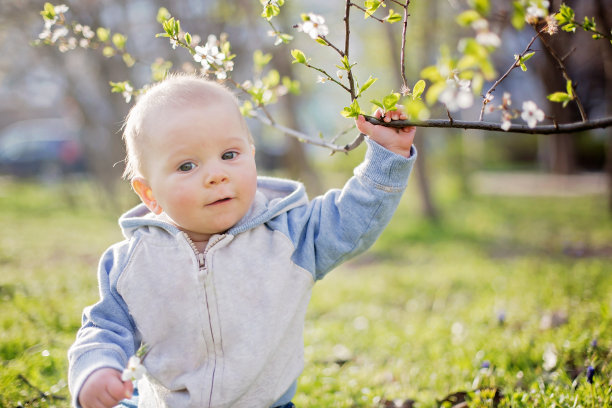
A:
(448, 311)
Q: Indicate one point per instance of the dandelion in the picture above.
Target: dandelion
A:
(532, 114)
(314, 26)
(457, 95)
(134, 370)
(590, 372)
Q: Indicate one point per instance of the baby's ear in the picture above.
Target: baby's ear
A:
(142, 188)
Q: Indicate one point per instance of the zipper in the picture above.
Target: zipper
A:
(201, 256)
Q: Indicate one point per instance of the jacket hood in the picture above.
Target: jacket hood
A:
(273, 197)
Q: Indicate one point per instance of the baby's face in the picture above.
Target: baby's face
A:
(200, 167)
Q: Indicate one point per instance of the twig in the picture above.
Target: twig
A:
(347, 35)
(505, 75)
(41, 393)
(329, 77)
(553, 54)
(357, 6)
(403, 51)
(458, 124)
(301, 136)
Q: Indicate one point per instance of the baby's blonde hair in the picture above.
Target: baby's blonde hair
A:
(176, 91)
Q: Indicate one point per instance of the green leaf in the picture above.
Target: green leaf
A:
(128, 60)
(48, 12)
(561, 97)
(378, 103)
(247, 109)
(117, 87)
(351, 111)
(188, 38)
(272, 79)
(366, 85)
(390, 101)
(321, 41)
(416, 110)
(393, 17)
(103, 34)
(418, 89)
(292, 86)
(527, 56)
(481, 6)
(370, 7)
(467, 17)
(431, 97)
(108, 51)
(299, 57)
(568, 87)
(260, 59)
(119, 41)
(162, 15)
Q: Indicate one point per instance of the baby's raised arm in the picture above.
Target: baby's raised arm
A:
(396, 140)
(104, 389)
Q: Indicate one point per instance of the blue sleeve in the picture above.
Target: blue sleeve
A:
(343, 223)
(107, 336)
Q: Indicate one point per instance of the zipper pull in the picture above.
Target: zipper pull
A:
(201, 260)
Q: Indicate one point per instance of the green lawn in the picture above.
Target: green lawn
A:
(506, 294)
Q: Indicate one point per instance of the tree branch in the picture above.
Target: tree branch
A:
(505, 75)
(459, 124)
(347, 34)
(561, 64)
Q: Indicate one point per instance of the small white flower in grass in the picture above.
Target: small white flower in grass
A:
(532, 114)
(134, 370)
(314, 26)
(457, 95)
(549, 358)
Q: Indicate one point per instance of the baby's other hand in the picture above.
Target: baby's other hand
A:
(104, 389)
(398, 140)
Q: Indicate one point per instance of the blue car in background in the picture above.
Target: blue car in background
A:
(42, 148)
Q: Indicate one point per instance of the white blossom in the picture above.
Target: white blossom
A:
(536, 11)
(457, 95)
(314, 26)
(134, 370)
(488, 38)
(506, 121)
(532, 114)
(209, 54)
(60, 8)
(127, 93)
(321, 79)
(58, 33)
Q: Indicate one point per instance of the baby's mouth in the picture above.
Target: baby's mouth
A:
(221, 201)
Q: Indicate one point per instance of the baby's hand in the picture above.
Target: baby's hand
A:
(104, 389)
(397, 140)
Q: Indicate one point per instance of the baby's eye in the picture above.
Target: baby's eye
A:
(229, 155)
(187, 167)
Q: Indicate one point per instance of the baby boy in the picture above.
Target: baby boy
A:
(217, 266)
